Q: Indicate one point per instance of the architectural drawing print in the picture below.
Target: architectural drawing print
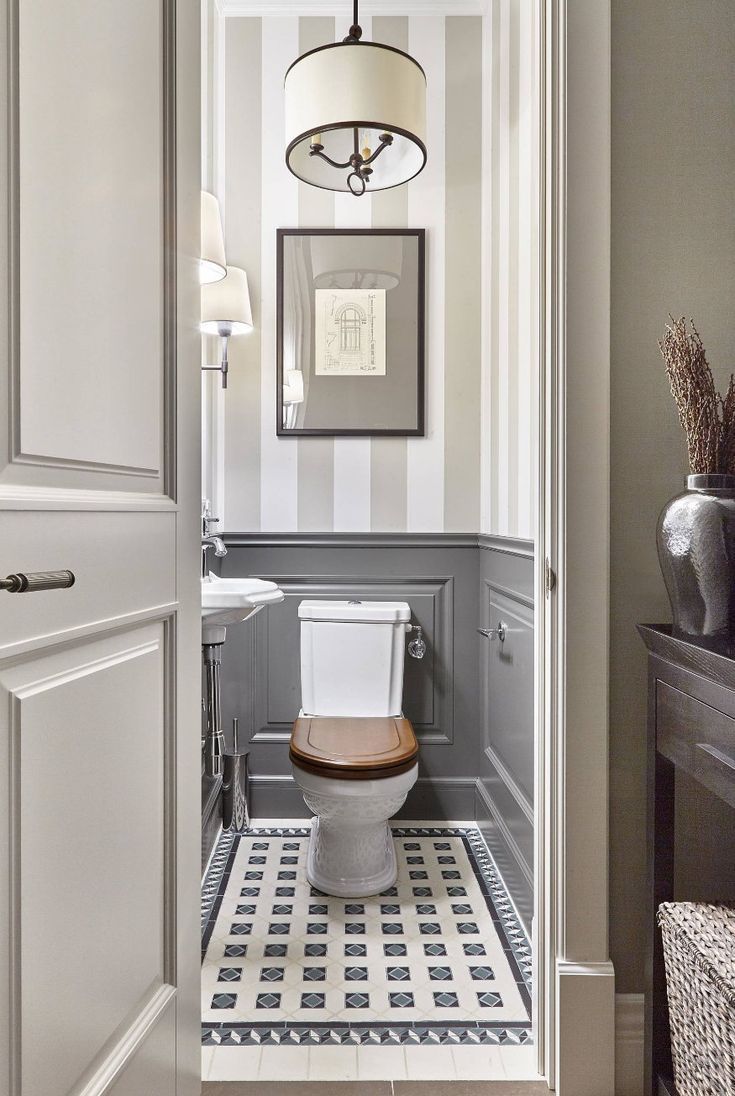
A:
(350, 333)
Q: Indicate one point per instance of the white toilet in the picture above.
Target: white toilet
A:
(354, 756)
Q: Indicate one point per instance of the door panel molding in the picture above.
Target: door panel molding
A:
(25, 467)
(23, 680)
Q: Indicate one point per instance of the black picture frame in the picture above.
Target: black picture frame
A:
(418, 426)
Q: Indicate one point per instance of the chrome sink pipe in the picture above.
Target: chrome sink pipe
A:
(214, 744)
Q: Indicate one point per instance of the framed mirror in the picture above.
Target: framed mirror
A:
(350, 332)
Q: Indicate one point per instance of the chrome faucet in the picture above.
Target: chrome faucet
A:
(209, 539)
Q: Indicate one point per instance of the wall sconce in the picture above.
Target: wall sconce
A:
(212, 262)
(225, 312)
(293, 395)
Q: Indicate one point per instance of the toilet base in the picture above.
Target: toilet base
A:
(351, 852)
(351, 862)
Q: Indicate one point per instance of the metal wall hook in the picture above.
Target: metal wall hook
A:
(499, 632)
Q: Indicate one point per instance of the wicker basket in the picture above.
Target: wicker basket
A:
(699, 953)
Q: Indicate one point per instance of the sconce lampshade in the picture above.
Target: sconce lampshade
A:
(226, 305)
(340, 99)
(212, 257)
(293, 387)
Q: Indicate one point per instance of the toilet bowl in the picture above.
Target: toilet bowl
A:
(354, 756)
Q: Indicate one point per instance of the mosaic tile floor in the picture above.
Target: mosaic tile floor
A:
(438, 960)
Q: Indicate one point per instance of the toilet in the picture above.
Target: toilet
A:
(354, 754)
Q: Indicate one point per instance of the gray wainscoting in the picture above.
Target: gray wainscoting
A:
(438, 578)
(471, 701)
(505, 789)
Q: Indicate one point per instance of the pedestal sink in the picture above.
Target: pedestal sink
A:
(230, 600)
(225, 601)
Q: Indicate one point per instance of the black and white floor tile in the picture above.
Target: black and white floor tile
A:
(439, 960)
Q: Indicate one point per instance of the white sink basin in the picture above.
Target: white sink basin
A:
(230, 600)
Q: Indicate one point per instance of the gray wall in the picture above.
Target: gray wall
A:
(438, 577)
(673, 250)
(471, 702)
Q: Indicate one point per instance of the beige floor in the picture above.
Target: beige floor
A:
(375, 1088)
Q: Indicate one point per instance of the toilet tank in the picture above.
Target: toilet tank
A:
(352, 657)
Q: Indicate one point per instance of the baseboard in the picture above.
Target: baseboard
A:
(517, 874)
(442, 799)
(211, 814)
(629, 1044)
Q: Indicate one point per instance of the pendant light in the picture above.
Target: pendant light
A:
(355, 115)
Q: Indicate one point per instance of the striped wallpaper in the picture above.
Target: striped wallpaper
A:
(473, 470)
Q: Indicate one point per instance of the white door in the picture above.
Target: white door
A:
(99, 683)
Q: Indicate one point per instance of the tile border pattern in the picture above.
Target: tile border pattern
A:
(432, 1033)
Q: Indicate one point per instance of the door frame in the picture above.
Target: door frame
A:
(574, 986)
(575, 981)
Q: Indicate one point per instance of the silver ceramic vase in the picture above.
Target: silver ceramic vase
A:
(696, 549)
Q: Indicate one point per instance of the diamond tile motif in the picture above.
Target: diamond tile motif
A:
(241, 928)
(229, 974)
(272, 974)
(398, 974)
(481, 974)
(234, 951)
(438, 959)
(435, 949)
(315, 974)
(315, 949)
(279, 928)
(474, 949)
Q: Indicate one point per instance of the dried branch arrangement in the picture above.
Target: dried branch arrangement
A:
(707, 418)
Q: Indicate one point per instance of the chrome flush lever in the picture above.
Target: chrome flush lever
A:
(495, 633)
(37, 580)
(417, 646)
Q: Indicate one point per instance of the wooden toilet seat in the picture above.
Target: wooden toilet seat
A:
(353, 747)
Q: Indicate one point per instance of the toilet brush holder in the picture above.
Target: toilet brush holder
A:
(235, 788)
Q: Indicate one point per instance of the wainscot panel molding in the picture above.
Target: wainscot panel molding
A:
(444, 577)
(438, 575)
(505, 787)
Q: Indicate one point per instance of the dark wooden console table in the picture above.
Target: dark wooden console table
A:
(691, 728)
